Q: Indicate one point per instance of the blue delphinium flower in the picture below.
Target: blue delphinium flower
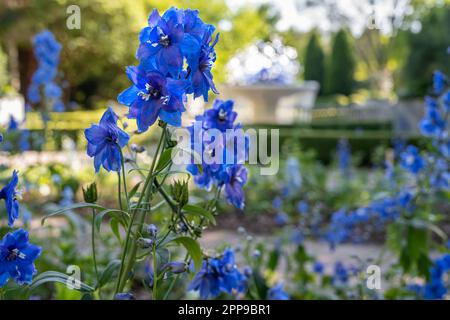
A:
(277, 293)
(235, 179)
(433, 124)
(199, 70)
(281, 219)
(436, 287)
(344, 156)
(221, 116)
(411, 160)
(9, 194)
(17, 258)
(292, 176)
(231, 175)
(302, 207)
(105, 141)
(46, 51)
(438, 82)
(277, 203)
(318, 267)
(164, 42)
(219, 275)
(207, 280)
(151, 96)
(340, 275)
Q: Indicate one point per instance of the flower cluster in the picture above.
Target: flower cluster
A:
(435, 164)
(352, 225)
(344, 157)
(46, 50)
(218, 170)
(436, 287)
(176, 54)
(219, 275)
(17, 255)
(17, 139)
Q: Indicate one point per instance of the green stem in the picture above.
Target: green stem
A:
(119, 191)
(155, 274)
(186, 258)
(125, 267)
(124, 180)
(93, 245)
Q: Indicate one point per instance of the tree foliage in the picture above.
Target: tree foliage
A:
(341, 66)
(314, 63)
(427, 51)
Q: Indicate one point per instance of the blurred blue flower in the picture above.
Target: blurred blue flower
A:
(105, 141)
(340, 273)
(281, 219)
(438, 82)
(219, 275)
(432, 124)
(318, 267)
(302, 207)
(17, 257)
(411, 160)
(9, 194)
(277, 203)
(46, 51)
(277, 293)
(344, 156)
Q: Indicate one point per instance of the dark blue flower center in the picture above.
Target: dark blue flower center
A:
(164, 40)
(150, 93)
(222, 115)
(111, 137)
(14, 254)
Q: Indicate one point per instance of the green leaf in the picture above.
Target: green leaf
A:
(199, 211)
(54, 276)
(114, 224)
(113, 213)
(73, 207)
(164, 159)
(108, 273)
(273, 259)
(133, 191)
(193, 248)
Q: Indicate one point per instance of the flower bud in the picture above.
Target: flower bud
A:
(124, 296)
(152, 230)
(136, 148)
(180, 192)
(90, 194)
(145, 243)
(175, 267)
